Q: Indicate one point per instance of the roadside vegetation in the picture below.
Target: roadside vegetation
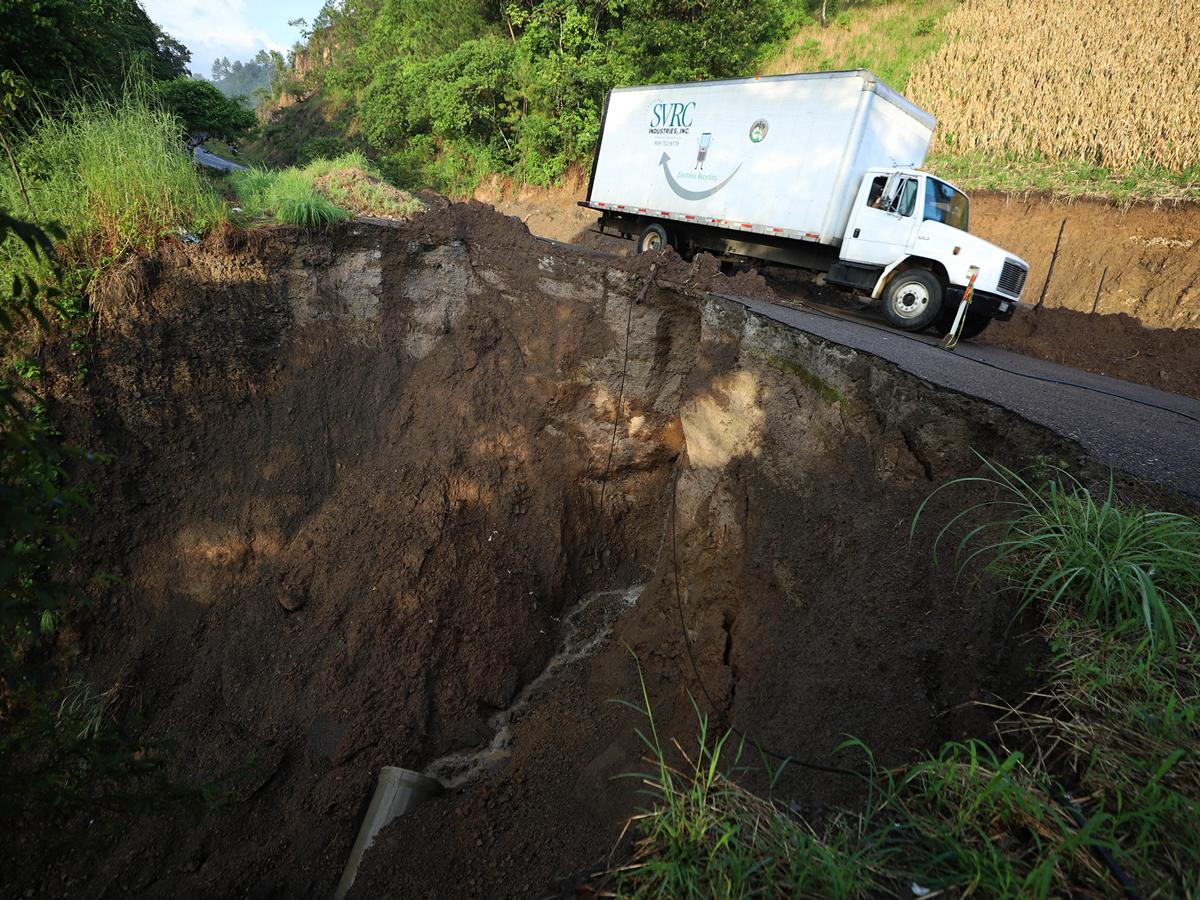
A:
(443, 97)
(890, 39)
(1089, 786)
(93, 168)
(445, 100)
(115, 175)
(319, 193)
(63, 755)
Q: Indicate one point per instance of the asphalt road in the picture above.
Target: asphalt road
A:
(1147, 433)
(212, 161)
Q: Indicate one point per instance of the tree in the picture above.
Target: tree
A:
(61, 46)
(245, 80)
(205, 112)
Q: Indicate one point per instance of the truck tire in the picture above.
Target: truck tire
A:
(913, 300)
(653, 238)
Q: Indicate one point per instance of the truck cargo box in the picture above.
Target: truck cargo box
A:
(778, 155)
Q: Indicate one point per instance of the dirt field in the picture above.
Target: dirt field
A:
(359, 477)
(1142, 324)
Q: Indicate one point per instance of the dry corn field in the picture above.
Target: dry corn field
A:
(1107, 82)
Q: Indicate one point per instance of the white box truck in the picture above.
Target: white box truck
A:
(815, 170)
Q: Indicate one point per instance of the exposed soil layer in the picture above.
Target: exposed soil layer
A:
(359, 476)
(1142, 261)
(1123, 298)
(1115, 345)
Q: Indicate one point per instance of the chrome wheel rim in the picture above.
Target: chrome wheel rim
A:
(911, 300)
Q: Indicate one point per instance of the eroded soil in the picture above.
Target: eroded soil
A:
(358, 477)
(1123, 298)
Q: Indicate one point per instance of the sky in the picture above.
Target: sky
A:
(234, 28)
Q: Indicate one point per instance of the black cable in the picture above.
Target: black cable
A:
(621, 389)
(1106, 857)
(983, 362)
(721, 713)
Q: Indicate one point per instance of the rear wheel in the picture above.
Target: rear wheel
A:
(652, 239)
(913, 300)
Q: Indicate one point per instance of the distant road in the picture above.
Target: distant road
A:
(1142, 431)
(212, 161)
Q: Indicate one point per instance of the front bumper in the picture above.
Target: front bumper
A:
(985, 303)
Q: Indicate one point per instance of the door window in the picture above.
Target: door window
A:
(894, 194)
(908, 197)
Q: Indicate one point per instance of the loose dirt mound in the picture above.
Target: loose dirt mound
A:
(1108, 345)
(358, 478)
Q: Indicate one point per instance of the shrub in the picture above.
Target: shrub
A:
(203, 111)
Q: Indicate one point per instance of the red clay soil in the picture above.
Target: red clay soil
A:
(356, 480)
(1114, 345)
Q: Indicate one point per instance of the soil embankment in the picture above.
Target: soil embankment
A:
(1123, 298)
(360, 477)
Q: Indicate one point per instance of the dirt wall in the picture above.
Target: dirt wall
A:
(357, 478)
(1149, 256)
(1142, 261)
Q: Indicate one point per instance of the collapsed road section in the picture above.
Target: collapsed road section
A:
(354, 492)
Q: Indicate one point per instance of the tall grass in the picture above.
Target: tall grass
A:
(965, 820)
(324, 191)
(1104, 82)
(115, 175)
(1063, 547)
(288, 197)
(890, 40)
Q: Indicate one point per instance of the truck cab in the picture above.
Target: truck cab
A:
(907, 242)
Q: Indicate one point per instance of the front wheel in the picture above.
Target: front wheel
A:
(652, 239)
(913, 300)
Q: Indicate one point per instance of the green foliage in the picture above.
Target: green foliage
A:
(1062, 547)
(289, 197)
(60, 46)
(61, 751)
(967, 819)
(448, 95)
(458, 101)
(115, 174)
(323, 147)
(891, 39)
(203, 111)
(34, 503)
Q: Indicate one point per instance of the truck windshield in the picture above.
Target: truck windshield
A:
(944, 204)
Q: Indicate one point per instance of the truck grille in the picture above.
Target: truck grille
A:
(1012, 278)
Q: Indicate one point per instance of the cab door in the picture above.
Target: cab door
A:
(883, 221)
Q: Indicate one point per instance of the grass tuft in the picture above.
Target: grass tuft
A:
(1079, 555)
(1090, 786)
(320, 193)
